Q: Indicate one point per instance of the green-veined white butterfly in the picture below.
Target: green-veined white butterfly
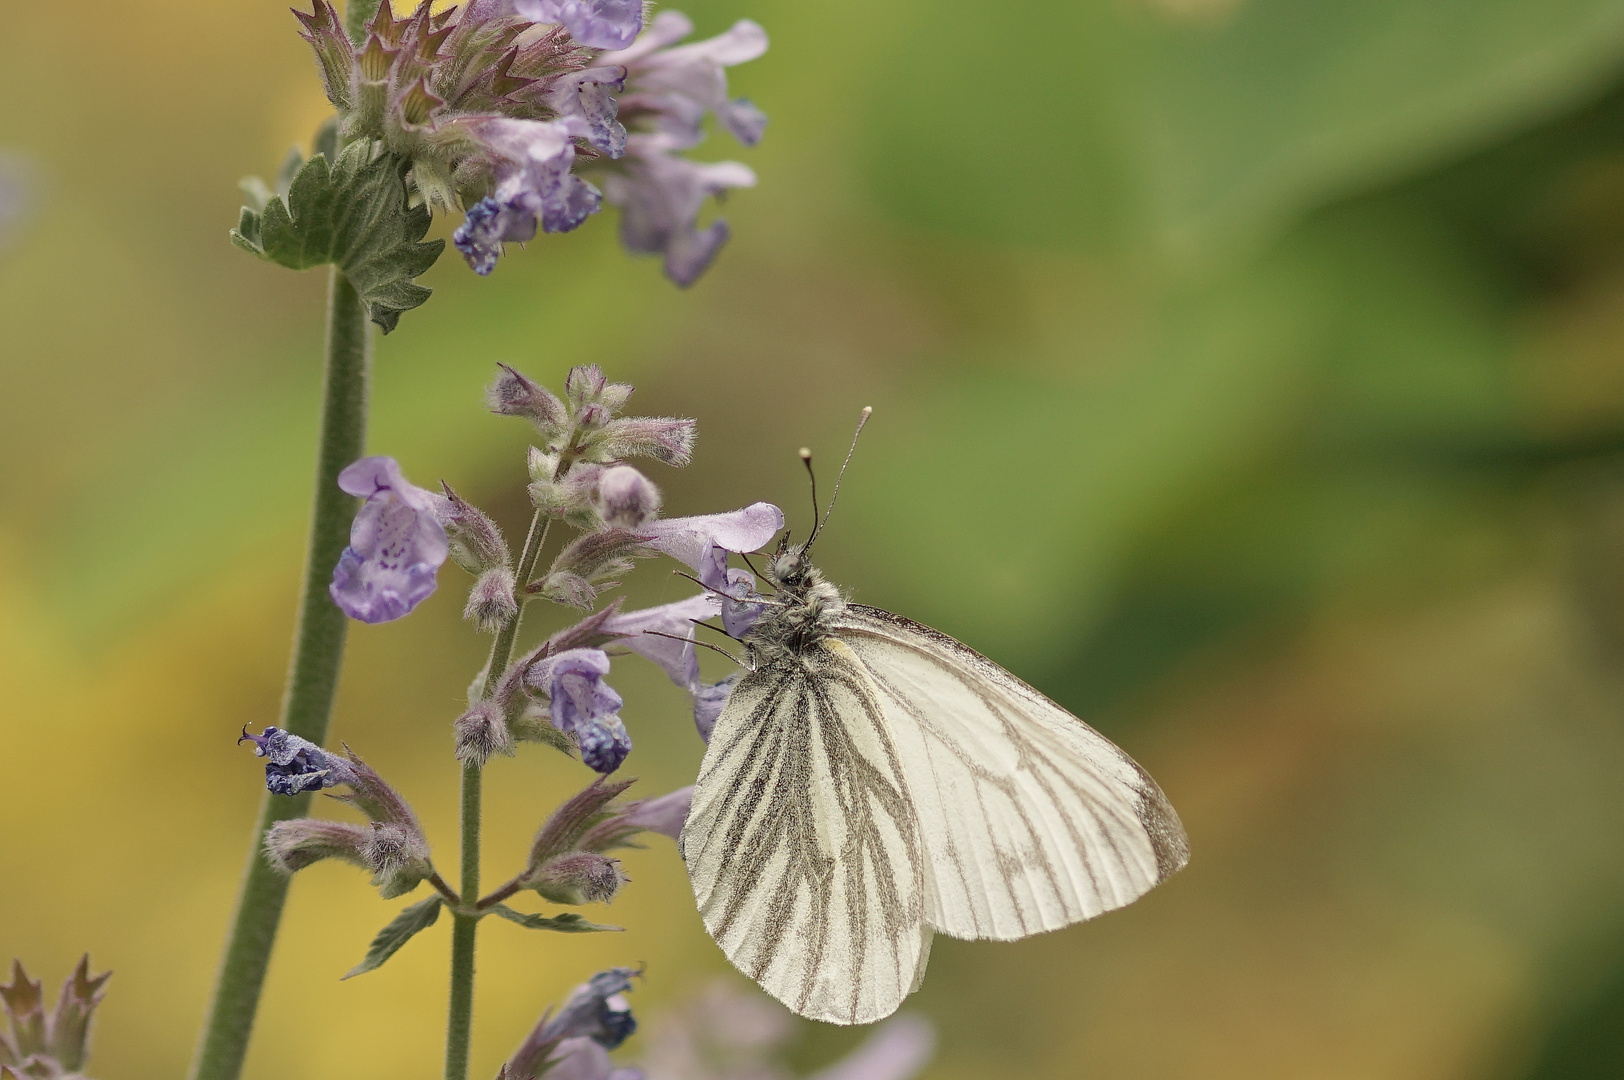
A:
(872, 782)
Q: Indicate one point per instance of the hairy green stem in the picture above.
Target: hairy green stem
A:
(464, 928)
(312, 678)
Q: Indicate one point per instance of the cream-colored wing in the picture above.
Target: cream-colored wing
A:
(1030, 818)
(802, 844)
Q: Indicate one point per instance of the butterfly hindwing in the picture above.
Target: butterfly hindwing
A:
(803, 844)
(1029, 818)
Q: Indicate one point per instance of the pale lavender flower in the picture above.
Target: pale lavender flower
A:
(293, 764)
(666, 635)
(709, 700)
(598, 1015)
(583, 1059)
(583, 705)
(897, 1050)
(668, 93)
(692, 540)
(649, 633)
(663, 814)
(397, 544)
(534, 185)
(601, 24)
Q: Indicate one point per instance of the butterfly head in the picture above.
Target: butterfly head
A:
(791, 568)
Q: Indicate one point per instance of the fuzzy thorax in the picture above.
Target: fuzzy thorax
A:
(800, 612)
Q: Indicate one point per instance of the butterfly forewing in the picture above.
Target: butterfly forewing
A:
(1029, 818)
(803, 845)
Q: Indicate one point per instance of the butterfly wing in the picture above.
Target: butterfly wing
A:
(1030, 819)
(802, 844)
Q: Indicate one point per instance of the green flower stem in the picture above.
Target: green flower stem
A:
(464, 927)
(312, 678)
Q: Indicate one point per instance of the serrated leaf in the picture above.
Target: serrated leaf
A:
(352, 213)
(567, 923)
(420, 916)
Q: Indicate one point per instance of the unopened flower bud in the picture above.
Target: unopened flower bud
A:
(481, 732)
(593, 417)
(292, 845)
(542, 465)
(598, 555)
(476, 544)
(562, 587)
(24, 1004)
(625, 498)
(584, 383)
(490, 602)
(580, 877)
(398, 858)
(512, 394)
(664, 438)
(44, 1048)
(70, 1024)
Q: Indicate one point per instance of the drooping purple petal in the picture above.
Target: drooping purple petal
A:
(293, 764)
(598, 24)
(583, 705)
(535, 185)
(397, 545)
(643, 629)
(897, 1050)
(589, 97)
(709, 700)
(686, 539)
(743, 119)
(597, 1010)
(660, 197)
(739, 615)
(663, 814)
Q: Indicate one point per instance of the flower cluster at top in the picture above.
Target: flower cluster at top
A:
(530, 113)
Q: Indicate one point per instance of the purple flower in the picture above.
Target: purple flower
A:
(588, 99)
(669, 92)
(660, 196)
(679, 85)
(663, 814)
(534, 185)
(708, 702)
(646, 635)
(396, 544)
(690, 540)
(704, 542)
(596, 1018)
(293, 764)
(600, 24)
(665, 635)
(583, 705)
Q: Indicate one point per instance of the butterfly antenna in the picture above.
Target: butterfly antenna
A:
(868, 410)
(806, 459)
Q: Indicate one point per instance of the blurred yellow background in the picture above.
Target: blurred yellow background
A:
(1248, 375)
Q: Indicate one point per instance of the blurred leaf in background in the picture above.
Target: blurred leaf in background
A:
(1249, 374)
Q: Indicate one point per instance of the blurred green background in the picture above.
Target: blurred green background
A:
(1248, 374)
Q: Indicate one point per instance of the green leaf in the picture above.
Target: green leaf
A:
(567, 923)
(352, 214)
(418, 917)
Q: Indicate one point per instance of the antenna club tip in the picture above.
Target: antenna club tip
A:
(868, 410)
(806, 453)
